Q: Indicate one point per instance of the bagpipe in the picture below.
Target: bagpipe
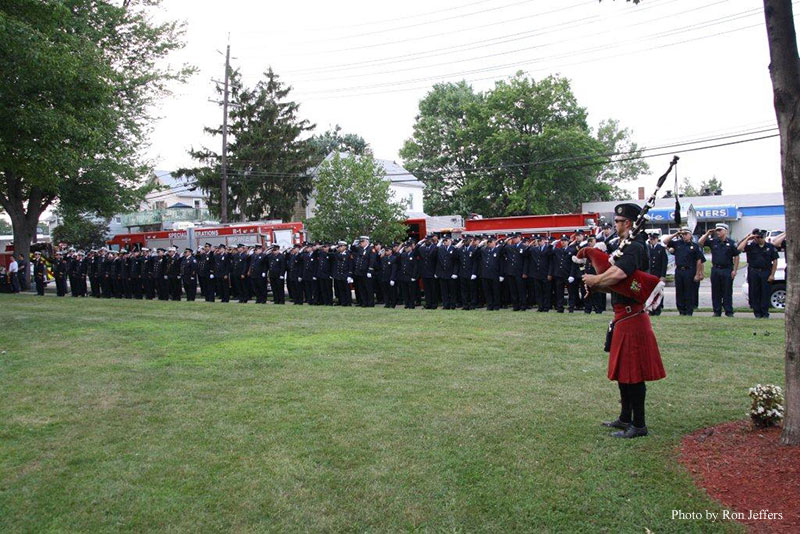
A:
(644, 288)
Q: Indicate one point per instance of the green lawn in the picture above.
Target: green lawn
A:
(196, 417)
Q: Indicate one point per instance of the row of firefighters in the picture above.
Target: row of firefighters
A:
(470, 272)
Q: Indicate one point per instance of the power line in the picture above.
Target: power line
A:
(241, 176)
(536, 59)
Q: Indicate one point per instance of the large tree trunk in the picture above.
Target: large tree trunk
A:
(24, 221)
(785, 74)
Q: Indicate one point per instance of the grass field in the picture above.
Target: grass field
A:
(195, 417)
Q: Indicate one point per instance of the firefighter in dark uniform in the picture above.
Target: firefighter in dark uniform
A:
(162, 278)
(658, 263)
(364, 261)
(491, 267)
(257, 274)
(561, 269)
(592, 300)
(97, 274)
(205, 266)
(389, 261)
(532, 258)
(762, 262)
(342, 274)
(108, 274)
(188, 270)
(408, 274)
(294, 264)
(447, 272)
(542, 257)
(174, 273)
(73, 271)
(688, 268)
(633, 357)
(148, 276)
(236, 270)
(514, 265)
(39, 272)
(276, 269)
(468, 273)
(60, 273)
(427, 250)
(724, 264)
(324, 287)
(222, 273)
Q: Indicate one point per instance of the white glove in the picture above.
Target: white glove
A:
(501, 278)
(369, 275)
(435, 276)
(571, 279)
(391, 283)
(454, 276)
(473, 277)
(280, 277)
(349, 280)
(165, 277)
(263, 275)
(299, 279)
(313, 277)
(413, 279)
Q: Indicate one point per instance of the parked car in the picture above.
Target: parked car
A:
(777, 297)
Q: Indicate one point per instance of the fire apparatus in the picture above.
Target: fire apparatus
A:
(550, 225)
(283, 234)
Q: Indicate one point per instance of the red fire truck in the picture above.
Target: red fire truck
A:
(283, 234)
(551, 225)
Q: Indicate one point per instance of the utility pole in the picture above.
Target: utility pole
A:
(223, 199)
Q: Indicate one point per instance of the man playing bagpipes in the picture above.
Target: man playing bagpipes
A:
(633, 356)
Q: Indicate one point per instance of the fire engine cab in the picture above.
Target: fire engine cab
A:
(283, 234)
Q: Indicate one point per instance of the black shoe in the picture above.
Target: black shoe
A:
(631, 432)
(729, 315)
(616, 424)
(717, 314)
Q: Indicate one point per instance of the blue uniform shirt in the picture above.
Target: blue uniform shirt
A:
(686, 254)
(760, 257)
(722, 251)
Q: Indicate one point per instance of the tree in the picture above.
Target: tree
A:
(524, 147)
(784, 70)
(334, 141)
(710, 186)
(80, 231)
(354, 199)
(268, 160)
(79, 80)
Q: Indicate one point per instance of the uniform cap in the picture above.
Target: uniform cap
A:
(721, 226)
(37, 253)
(363, 238)
(761, 233)
(686, 229)
(145, 249)
(341, 243)
(188, 250)
(565, 237)
(123, 251)
(257, 246)
(240, 245)
(629, 210)
(207, 245)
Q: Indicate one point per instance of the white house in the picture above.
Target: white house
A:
(404, 187)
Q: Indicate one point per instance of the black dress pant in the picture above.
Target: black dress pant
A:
(39, 285)
(448, 287)
(365, 291)
(516, 288)
(343, 293)
(259, 288)
(491, 290)
(684, 290)
(758, 291)
(409, 294)
(389, 294)
(61, 285)
(429, 285)
(543, 293)
(469, 293)
(558, 286)
(190, 287)
(278, 292)
(722, 290)
(209, 288)
(224, 288)
(174, 287)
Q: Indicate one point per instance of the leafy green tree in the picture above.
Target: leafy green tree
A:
(81, 231)
(334, 141)
(353, 198)
(689, 190)
(512, 150)
(268, 158)
(443, 151)
(79, 80)
(622, 168)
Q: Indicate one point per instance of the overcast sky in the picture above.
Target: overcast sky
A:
(670, 70)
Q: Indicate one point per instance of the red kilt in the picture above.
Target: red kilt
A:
(634, 355)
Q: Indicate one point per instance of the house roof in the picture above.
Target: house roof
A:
(177, 185)
(179, 205)
(395, 172)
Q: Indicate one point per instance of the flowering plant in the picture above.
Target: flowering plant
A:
(767, 406)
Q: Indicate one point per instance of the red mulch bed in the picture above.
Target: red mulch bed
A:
(747, 470)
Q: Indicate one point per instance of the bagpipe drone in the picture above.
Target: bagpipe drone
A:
(644, 288)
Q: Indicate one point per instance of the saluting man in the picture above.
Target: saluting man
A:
(688, 268)
(762, 262)
(658, 263)
(724, 264)
(189, 274)
(634, 357)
